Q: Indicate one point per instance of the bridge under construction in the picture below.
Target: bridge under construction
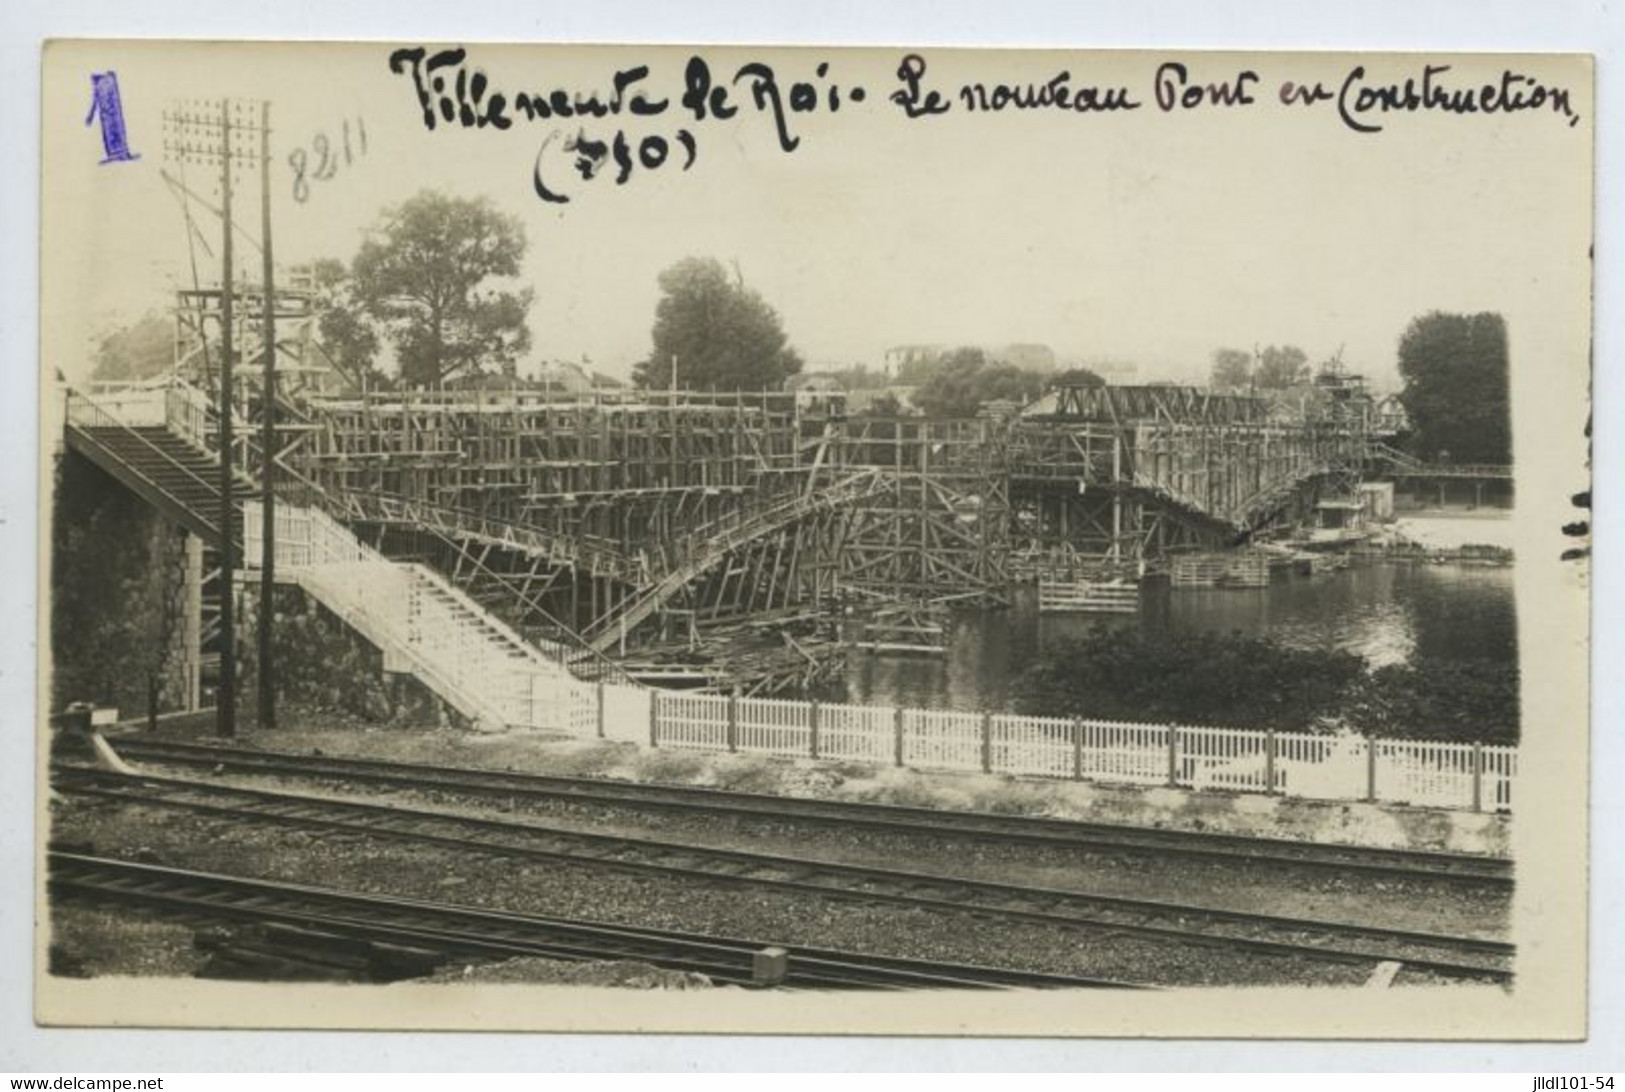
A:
(723, 540)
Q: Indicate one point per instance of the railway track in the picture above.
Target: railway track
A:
(890, 818)
(465, 931)
(1446, 956)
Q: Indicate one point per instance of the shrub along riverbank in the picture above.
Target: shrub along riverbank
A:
(1238, 681)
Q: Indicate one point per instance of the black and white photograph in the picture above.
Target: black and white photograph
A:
(840, 540)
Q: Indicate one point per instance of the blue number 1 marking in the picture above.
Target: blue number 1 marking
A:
(104, 103)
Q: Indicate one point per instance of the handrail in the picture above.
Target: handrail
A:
(573, 640)
(482, 617)
(101, 418)
(378, 629)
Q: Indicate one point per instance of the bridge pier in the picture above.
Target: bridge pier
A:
(192, 625)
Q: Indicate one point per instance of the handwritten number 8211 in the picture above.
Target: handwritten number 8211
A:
(325, 157)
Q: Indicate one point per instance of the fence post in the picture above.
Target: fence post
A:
(812, 729)
(1077, 748)
(1173, 756)
(600, 689)
(733, 722)
(897, 732)
(987, 742)
(1371, 769)
(1478, 777)
(1269, 761)
(654, 718)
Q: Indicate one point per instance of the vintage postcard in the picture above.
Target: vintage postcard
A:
(864, 541)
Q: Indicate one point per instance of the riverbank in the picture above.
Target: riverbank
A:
(1452, 529)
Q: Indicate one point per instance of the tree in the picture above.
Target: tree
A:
(963, 381)
(919, 366)
(425, 276)
(139, 350)
(1458, 700)
(1282, 366)
(1455, 373)
(858, 377)
(886, 404)
(1230, 680)
(720, 333)
(1232, 369)
(1076, 377)
(348, 336)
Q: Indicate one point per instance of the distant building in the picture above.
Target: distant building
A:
(1115, 372)
(568, 377)
(899, 356)
(817, 391)
(813, 381)
(1033, 357)
(865, 401)
(1391, 416)
(485, 381)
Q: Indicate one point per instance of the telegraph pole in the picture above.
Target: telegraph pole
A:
(226, 700)
(267, 691)
(201, 133)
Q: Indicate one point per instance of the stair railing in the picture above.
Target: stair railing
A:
(84, 414)
(572, 646)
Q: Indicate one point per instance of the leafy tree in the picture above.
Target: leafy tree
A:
(886, 405)
(1459, 701)
(1228, 680)
(1455, 373)
(139, 350)
(1076, 377)
(425, 275)
(1232, 680)
(964, 380)
(348, 336)
(1232, 369)
(919, 367)
(721, 333)
(1282, 366)
(859, 377)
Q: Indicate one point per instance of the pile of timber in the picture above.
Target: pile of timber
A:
(1088, 597)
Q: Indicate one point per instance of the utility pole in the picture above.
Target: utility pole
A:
(267, 690)
(226, 700)
(201, 132)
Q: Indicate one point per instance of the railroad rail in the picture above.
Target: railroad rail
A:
(888, 818)
(458, 930)
(1318, 941)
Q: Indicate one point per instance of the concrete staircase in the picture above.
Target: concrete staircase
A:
(158, 466)
(423, 625)
(426, 627)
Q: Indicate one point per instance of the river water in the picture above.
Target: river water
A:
(1388, 612)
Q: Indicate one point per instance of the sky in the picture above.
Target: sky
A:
(1143, 235)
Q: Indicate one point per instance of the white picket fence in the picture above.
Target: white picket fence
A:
(498, 679)
(1341, 767)
(471, 659)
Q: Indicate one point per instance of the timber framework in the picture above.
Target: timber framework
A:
(724, 540)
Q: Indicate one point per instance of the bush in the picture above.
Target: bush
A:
(1233, 680)
(1460, 701)
(1229, 680)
